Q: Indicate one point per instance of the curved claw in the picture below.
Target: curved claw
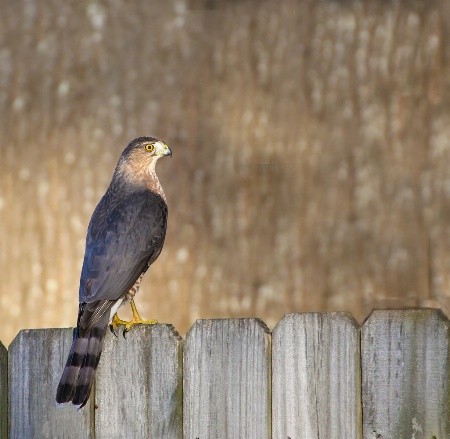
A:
(115, 322)
(112, 329)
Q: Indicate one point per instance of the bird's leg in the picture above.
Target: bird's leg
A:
(136, 319)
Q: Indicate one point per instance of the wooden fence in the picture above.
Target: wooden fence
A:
(317, 375)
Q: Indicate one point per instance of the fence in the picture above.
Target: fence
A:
(318, 375)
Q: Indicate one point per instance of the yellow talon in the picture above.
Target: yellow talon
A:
(115, 322)
(135, 320)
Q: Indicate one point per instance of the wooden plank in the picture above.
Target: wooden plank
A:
(405, 375)
(226, 380)
(138, 390)
(3, 392)
(36, 361)
(316, 377)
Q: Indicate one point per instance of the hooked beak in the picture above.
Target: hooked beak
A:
(167, 151)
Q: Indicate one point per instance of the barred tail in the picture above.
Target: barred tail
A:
(78, 376)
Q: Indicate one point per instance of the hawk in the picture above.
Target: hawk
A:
(125, 236)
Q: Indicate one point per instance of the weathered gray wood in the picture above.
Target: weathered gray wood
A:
(226, 380)
(316, 377)
(36, 361)
(405, 375)
(3, 392)
(138, 390)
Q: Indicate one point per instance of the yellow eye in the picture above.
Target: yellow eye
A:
(149, 147)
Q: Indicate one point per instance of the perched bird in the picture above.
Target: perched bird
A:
(125, 236)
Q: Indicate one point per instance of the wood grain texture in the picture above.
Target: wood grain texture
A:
(405, 375)
(316, 377)
(138, 388)
(3, 392)
(36, 361)
(226, 380)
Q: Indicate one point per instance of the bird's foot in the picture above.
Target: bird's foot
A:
(135, 320)
(115, 322)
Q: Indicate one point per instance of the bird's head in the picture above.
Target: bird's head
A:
(138, 160)
(146, 149)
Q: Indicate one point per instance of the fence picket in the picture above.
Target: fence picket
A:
(36, 361)
(226, 380)
(3, 392)
(405, 375)
(316, 377)
(138, 391)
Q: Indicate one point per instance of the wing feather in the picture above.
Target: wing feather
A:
(121, 243)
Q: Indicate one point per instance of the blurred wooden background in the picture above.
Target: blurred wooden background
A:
(311, 141)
